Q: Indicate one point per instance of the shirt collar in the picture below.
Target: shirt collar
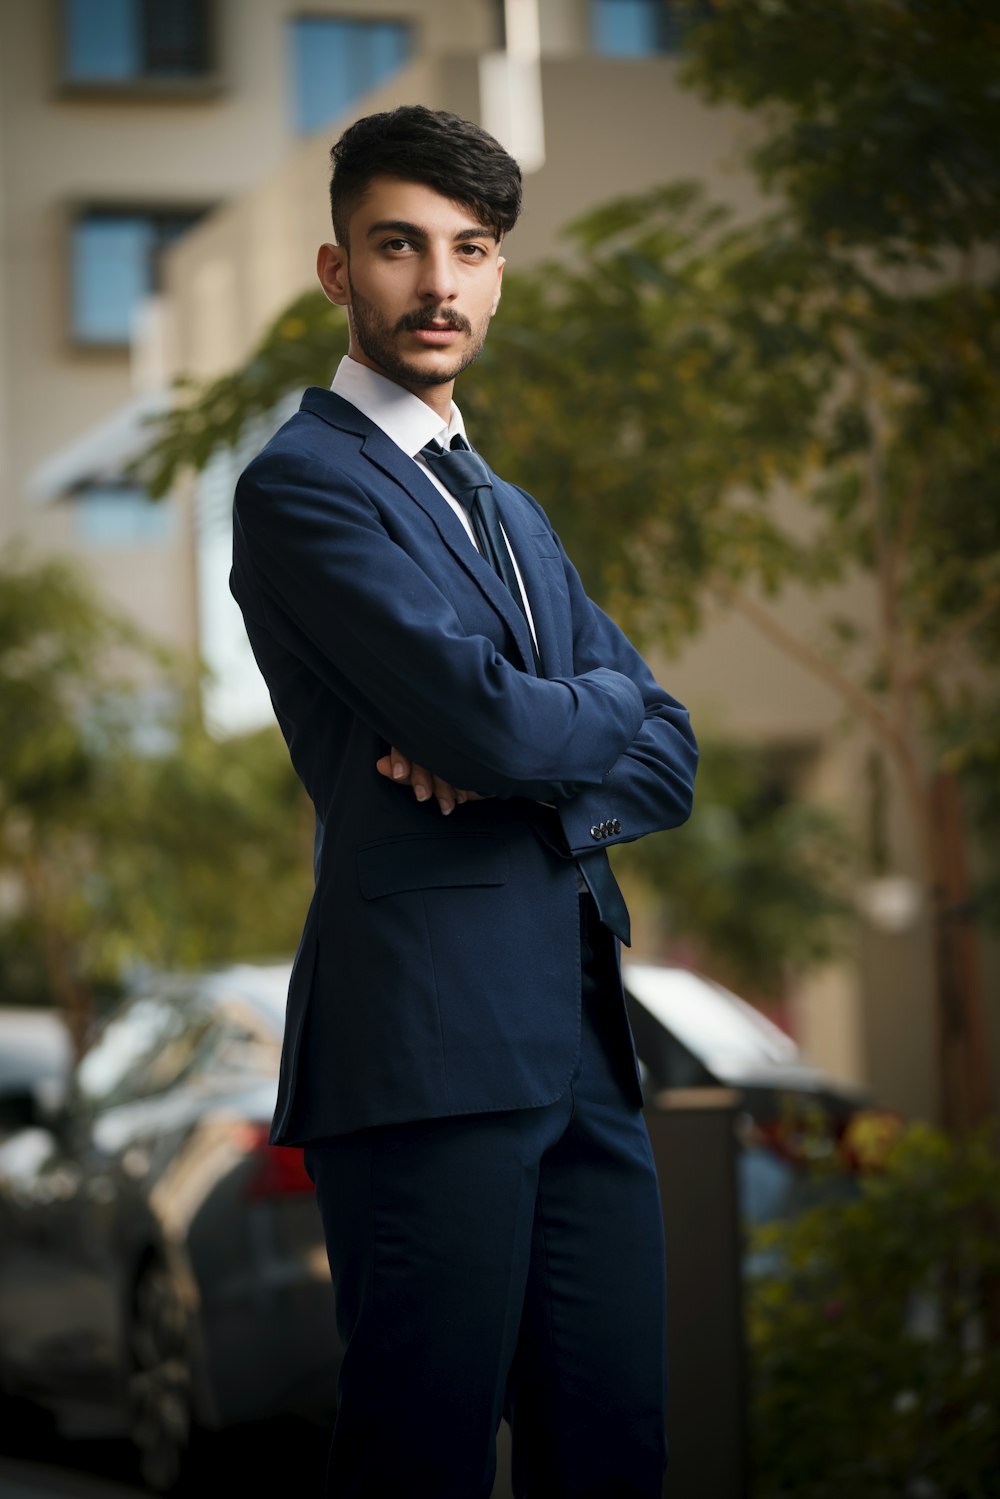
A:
(404, 418)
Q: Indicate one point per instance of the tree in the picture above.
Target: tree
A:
(58, 691)
(754, 888)
(809, 399)
(127, 835)
(882, 123)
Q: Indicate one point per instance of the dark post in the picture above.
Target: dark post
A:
(694, 1142)
(693, 1132)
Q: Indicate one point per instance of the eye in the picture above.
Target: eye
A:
(396, 244)
(472, 251)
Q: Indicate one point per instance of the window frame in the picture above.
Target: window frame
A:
(411, 23)
(124, 208)
(138, 87)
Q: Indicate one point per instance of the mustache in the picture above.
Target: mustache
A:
(411, 322)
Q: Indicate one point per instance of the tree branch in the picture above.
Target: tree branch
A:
(806, 655)
(850, 693)
(921, 668)
(911, 516)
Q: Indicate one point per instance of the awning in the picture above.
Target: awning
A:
(101, 454)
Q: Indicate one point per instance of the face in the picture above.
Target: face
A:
(420, 279)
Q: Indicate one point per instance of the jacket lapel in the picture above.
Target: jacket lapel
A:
(380, 450)
(541, 570)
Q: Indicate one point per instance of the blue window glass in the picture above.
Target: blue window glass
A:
(102, 40)
(637, 28)
(111, 261)
(115, 263)
(120, 41)
(336, 62)
(109, 515)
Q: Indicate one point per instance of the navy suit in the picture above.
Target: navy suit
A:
(439, 973)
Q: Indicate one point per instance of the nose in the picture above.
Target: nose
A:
(437, 274)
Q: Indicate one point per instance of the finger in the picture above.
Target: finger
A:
(422, 782)
(402, 769)
(384, 766)
(445, 794)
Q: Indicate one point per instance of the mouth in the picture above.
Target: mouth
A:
(435, 330)
(436, 337)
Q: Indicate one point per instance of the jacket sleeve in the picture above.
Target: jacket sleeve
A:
(314, 563)
(650, 786)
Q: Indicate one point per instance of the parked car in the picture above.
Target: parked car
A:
(690, 1032)
(160, 1263)
(34, 1064)
(162, 1267)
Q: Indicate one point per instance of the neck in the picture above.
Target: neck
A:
(437, 397)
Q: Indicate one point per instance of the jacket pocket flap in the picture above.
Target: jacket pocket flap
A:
(428, 863)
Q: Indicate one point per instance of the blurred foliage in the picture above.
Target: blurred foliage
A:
(302, 347)
(758, 881)
(127, 834)
(881, 117)
(217, 864)
(874, 1339)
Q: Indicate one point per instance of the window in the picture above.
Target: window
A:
(115, 257)
(116, 42)
(336, 62)
(636, 28)
(122, 514)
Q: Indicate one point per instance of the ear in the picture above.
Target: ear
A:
(501, 262)
(331, 268)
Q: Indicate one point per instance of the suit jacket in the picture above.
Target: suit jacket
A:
(438, 971)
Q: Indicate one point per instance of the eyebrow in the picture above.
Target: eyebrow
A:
(414, 231)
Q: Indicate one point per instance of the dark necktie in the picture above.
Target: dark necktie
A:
(464, 474)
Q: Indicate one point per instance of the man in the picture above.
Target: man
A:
(472, 731)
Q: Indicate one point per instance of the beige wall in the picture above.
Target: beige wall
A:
(58, 151)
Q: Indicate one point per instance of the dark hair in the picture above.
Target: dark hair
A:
(453, 156)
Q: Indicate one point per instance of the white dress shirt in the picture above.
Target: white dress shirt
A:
(411, 424)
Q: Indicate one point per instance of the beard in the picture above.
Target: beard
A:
(378, 340)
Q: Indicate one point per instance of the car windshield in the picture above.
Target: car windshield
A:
(727, 1035)
(143, 1049)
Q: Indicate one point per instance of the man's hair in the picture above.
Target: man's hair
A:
(456, 158)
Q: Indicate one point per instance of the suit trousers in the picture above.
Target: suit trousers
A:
(503, 1263)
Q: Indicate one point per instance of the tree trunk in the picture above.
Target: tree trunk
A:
(963, 1053)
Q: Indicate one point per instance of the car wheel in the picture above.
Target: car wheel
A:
(160, 1380)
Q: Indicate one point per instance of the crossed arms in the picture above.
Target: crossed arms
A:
(313, 558)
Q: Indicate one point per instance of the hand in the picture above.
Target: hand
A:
(396, 767)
